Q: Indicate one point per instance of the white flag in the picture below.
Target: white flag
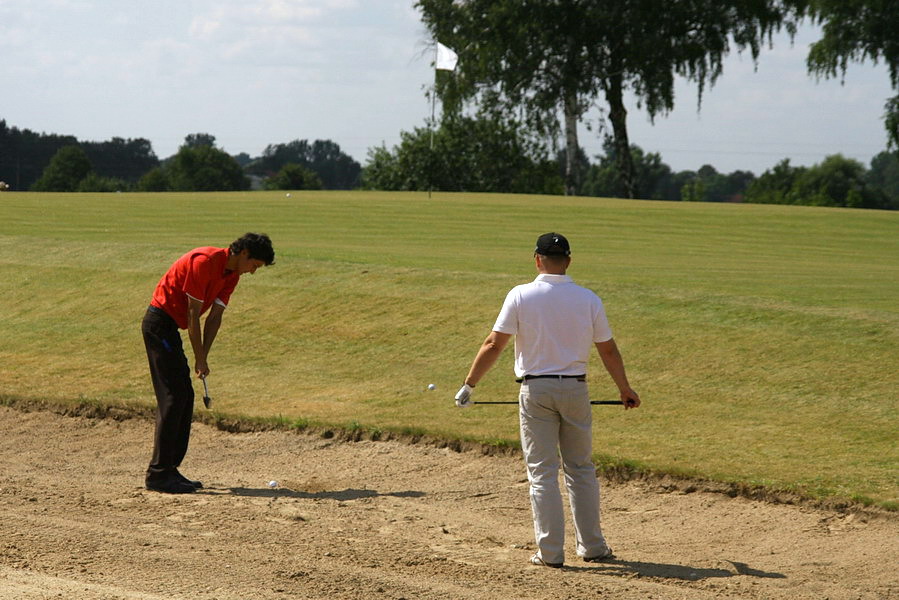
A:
(446, 58)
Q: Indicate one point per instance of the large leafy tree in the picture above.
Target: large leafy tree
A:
(204, 168)
(543, 58)
(68, 167)
(855, 31)
(836, 181)
(293, 177)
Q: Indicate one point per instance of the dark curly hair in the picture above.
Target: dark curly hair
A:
(259, 246)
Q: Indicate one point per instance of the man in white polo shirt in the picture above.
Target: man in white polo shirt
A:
(555, 322)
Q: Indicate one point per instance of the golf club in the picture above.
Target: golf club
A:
(606, 402)
(207, 401)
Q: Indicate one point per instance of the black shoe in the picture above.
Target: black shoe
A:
(197, 484)
(171, 486)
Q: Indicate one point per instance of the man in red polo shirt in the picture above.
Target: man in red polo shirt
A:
(201, 280)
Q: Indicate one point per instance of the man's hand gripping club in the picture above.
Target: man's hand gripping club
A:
(463, 396)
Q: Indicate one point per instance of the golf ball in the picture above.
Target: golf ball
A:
(288, 194)
(431, 386)
(272, 483)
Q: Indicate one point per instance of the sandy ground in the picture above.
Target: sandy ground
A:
(383, 519)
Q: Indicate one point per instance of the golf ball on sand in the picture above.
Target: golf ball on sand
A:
(431, 386)
(272, 483)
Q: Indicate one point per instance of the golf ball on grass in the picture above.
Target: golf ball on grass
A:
(432, 387)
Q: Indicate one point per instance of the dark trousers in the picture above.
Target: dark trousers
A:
(174, 393)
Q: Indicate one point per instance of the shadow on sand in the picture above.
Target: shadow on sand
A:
(667, 571)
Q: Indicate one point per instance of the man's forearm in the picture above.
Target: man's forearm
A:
(614, 363)
(210, 329)
(485, 359)
(487, 356)
(196, 338)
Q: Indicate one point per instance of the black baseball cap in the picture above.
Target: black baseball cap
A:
(552, 244)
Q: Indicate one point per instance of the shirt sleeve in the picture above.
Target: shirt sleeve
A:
(224, 296)
(195, 279)
(507, 321)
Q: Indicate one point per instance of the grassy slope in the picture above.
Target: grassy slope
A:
(763, 339)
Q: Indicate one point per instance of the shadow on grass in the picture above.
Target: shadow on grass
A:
(668, 571)
(347, 494)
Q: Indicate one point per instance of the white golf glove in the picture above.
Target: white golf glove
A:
(463, 396)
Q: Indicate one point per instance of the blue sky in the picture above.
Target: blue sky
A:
(255, 72)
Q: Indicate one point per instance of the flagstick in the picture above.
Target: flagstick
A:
(433, 103)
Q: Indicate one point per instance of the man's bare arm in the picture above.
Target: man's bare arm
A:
(614, 364)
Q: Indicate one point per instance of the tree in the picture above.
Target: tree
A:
(293, 177)
(154, 180)
(197, 140)
(337, 170)
(381, 171)
(25, 154)
(693, 191)
(775, 186)
(243, 159)
(836, 181)
(541, 58)
(204, 169)
(719, 187)
(469, 155)
(652, 177)
(580, 168)
(121, 159)
(883, 176)
(855, 31)
(66, 170)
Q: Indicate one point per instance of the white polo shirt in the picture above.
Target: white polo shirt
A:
(555, 323)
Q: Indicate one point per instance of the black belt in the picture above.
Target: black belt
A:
(167, 318)
(527, 377)
(157, 310)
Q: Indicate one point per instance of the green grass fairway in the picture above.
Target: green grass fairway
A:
(764, 340)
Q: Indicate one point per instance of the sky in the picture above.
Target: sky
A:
(259, 72)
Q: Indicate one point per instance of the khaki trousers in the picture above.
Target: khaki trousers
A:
(556, 419)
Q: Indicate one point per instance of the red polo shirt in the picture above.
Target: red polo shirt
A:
(199, 274)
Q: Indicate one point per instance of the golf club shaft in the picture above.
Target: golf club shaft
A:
(606, 402)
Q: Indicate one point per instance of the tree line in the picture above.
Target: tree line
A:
(465, 154)
(62, 163)
(481, 155)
